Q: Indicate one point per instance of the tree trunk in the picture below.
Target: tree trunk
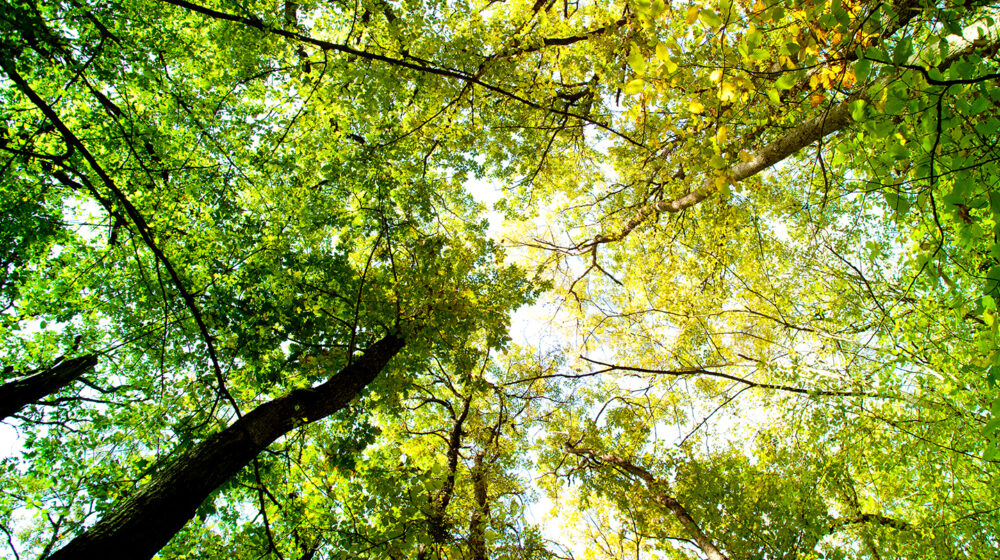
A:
(18, 394)
(437, 525)
(141, 524)
(477, 524)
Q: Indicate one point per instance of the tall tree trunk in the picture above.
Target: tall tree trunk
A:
(477, 523)
(142, 523)
(437, 525)
(18, 394)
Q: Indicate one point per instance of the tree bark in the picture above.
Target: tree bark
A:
(18, 394)
(437, 525)
(141, 524)
(477, 523)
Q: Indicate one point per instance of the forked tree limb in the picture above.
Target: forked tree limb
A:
(657, 489)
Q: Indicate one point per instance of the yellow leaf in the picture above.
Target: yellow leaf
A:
(696, 107)
(728, 92)
(716, 75)
(692, 14)
(744, 156)
(662, 53)
(634, 87)
(722, 135)
(848, 79)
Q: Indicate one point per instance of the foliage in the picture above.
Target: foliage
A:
(767, 234)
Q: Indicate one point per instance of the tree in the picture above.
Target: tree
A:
(253, 295)
(768, 229)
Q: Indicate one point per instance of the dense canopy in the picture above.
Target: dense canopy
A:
(254, 304)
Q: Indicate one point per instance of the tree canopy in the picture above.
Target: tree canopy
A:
(252, 307)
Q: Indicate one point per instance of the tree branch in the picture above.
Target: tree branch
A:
(701, 371)
(835, 119)
(423, 66)
(131, 211)
(656, 487)
(20, 393)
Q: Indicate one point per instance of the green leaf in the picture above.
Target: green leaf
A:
(857, 109)
(990, 429)
(710, 18)
(901, 54)
(894, 104)
(862, 67)
(991, 451)
(898, 202)
(786, 80)
(989, 127)
(636, 61)
(993, 375)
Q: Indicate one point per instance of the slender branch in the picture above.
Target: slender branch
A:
(719, 374)
(658, 489)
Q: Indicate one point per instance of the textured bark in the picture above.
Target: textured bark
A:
(477, 523)
(18, 394)
(142, 523)
(662, 497)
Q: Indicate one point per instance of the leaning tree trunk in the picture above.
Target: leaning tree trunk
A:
(18, 394)
(141, 524)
